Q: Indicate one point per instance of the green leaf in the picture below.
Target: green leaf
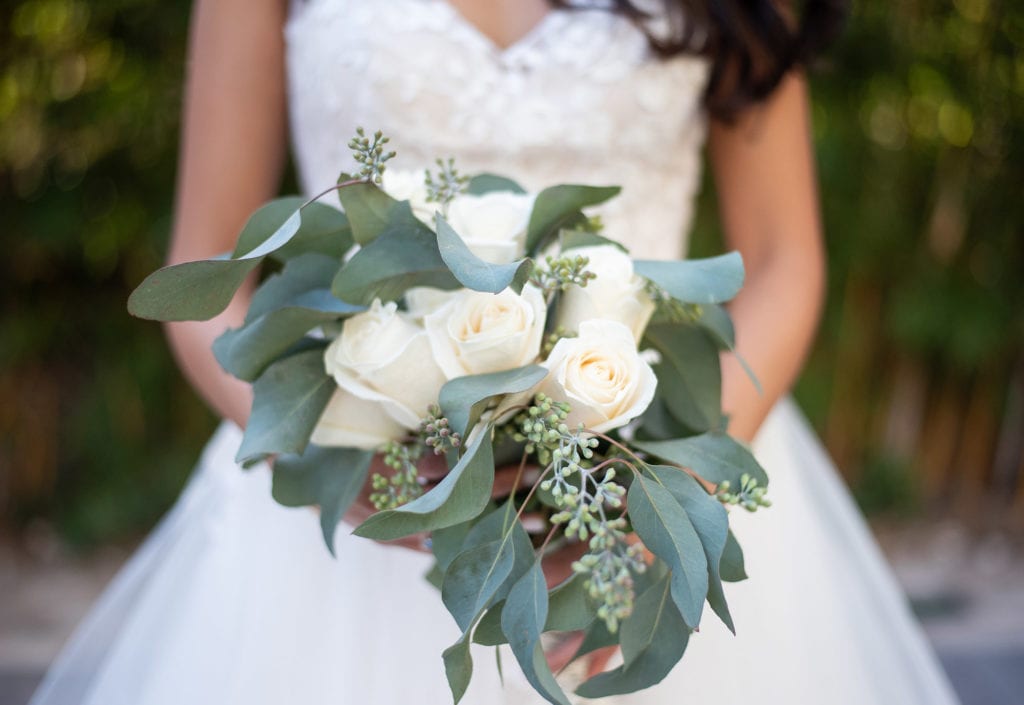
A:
(486, 183)
(324, 230)
(371, 212)
(287, 402)
(716, 321)
(570, 239)
(401, 257)
(716, 457)
(696, 281)
(474, 577)
(473, 272)
(198, 291)
(654, 638)
(569, 607)
(689, 374)
(522, 620)
(245, 352)
(458, 667)
(494, 527)
(557, 206)
(191, 291)
(445, 543)
(711, 522)
(463, 399)
(302, 273)
(596, 637)
(666, 530)
(732, 567)
(461, 495)
(327, 477)
(488, 629)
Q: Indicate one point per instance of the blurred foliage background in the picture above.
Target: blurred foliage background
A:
(916, 383)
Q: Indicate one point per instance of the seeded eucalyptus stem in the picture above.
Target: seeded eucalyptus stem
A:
(336, 187)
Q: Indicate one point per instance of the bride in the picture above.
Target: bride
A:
(233, 599)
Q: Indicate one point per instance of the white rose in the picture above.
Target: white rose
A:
(477, 332)
(410, 186)
(421, 300)
(351, 422)
(381, 355)
(492, 225)
(601, 375)
(616, 294)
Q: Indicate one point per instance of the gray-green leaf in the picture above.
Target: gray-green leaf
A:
(473, 272)
(370, 211)
(486, 183)
(458, 667)
(716, 457)
(711, 522)
(557, 206)
(460, 496)
(401, 257)
(522, 620)
(689, 374)
(327, 477)
(463, 399)
(733, 570)
(667, 531)
(474, 577)
(654, 638)
(696, 281)
(288, 399)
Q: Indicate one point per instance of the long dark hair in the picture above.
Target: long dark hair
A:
(752, 44)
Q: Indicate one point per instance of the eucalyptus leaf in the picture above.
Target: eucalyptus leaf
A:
(460, 496)
(288, 399)
(716, 457)
(474, 577)
(715, 319)
(402, 256)
(370, 211)
(324, 230)
(689, 374)
(558, 206)
(732, 568)
(569, 606)
(329, 478)
(488, 629)
(696, 281)
(499, 525)
(522, 620)
(666, 530)
(300, 274)
(446, 542)
(571, 239)
(473, 272)
(458, 667)
(654, 638)
(245, 352)
(487, 183)
(198, 291)
(711, 522)
(463, 399)
(595, 637)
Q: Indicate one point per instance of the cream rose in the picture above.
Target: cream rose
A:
(601, 375)
(616, 294)
(476, 332)
(382, 355)
(492, 225)
(351, 422)
(410, 186)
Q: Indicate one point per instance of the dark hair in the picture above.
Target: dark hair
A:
(752, 44)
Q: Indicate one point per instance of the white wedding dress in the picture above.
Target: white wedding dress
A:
(234, 599)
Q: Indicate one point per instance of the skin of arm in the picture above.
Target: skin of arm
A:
(767, 195)
(232, 155)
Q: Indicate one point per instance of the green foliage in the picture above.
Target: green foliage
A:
(712, 280)
(714, 456)
(329, 478)
(473, 272)
(463, 399)
(689, 377)
(559, 206)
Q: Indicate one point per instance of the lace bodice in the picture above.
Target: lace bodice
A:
(579, 99)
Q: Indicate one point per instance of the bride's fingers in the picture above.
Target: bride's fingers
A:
(598, 660)
(560, 654)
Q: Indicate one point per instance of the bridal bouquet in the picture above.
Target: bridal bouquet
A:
(467, 318)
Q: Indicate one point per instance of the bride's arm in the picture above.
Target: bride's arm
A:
(232, 152)
(764, 173)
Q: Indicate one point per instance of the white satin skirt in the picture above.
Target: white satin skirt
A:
(234, 599)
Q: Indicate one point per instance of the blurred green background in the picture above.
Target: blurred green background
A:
(916, 383)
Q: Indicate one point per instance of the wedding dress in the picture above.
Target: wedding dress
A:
(234, 599)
